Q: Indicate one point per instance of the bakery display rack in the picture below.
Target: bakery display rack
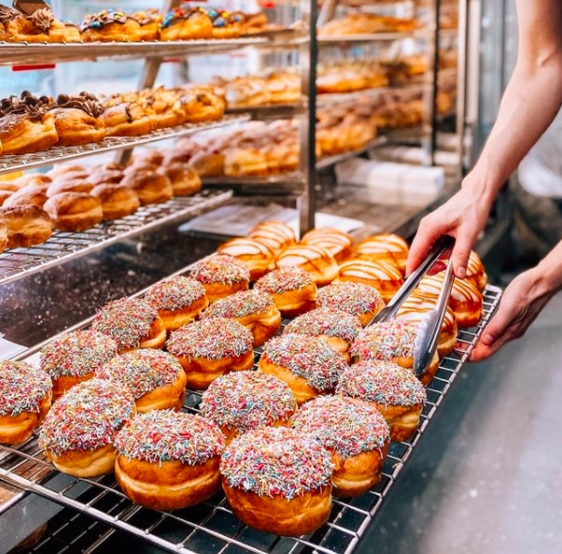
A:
(211, 527)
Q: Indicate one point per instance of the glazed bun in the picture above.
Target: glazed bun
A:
(319, 262)
(388, 248)
(151, 187)
(257, 256)
(338, 243)
(184, 179)
(74, 211)
(27, 225)
(116, 200)
(275, 234)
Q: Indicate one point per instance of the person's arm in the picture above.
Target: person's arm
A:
(520, 304)
(529, 104)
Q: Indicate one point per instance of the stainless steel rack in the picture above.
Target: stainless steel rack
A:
(211, 527)
(61, 246)
(58, 154)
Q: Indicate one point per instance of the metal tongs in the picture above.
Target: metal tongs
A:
(425, 343)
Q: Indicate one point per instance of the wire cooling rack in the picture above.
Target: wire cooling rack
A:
(211, 527)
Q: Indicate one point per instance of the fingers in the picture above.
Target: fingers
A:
(427, 234)
(461, 253)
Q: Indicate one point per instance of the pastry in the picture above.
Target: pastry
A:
(244, 400)
(110, 26)
(156, 379)
(30, 195)
(356, 435)
(71, 185)
(392, 389)
(278, 480)
(184, 179)
(384, 248)
(149, 22)
(319, 263)
(178, 300)
(40, 26)
(475, 272)
(116, 200)
(58, 170)
(339, 329)
(77, 119)
(253, 309)
(337, 242)
(245, 162)
(168, 460)
(307, 364)
(221, 276)
(199, 104)
(27, 225)
(356, 299)
(209, 348)
(127, 119)
(25, 399)
(275, 234)
(151, 187)
(4, 195)
(74, 357)
(185, 23)
(257, 256)
(167, 111)
(8, 16)
(207, 163)
(36, 179)
(292, 289)
(225, 24)
(74, 211)
(132, 323)
(78, 432)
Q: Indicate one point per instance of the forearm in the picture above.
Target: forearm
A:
(549, 270)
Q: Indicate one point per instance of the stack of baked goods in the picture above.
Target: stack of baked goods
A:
(350, 76)
(365, 24)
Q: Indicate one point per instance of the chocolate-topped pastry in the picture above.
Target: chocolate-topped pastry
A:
(40, 26)
(77, 119)
(6, 16)
(184, 23)
(149, 22)
(110, 25)
(225, 24)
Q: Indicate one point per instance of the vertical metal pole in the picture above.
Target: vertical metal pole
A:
(308, 58)
(462, 79)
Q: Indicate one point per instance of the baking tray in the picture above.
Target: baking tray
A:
(211, 527)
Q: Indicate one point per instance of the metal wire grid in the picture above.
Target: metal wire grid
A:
(211, 527)
(64, 246)
(57, 154)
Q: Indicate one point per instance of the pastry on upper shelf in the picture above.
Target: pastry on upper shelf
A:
(7, 16)
(127, 119)
(151, 187)
(110, 26)
(27, 225)
(41, 26)
(251, 22)
(184, 179)
(149, 22)
(225, 24)
(366, 23)
(26, 125)
(74, 211)
(30, 195)
(166, 105)
(200, 103)
(184, 23)
(77, 119)
(116, 200)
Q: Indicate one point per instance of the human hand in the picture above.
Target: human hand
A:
(463, 216)
(522, 301)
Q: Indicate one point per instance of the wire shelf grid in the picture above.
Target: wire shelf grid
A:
(211, 527)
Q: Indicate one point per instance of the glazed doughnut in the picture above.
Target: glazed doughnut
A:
(78, 432)
(131, 323)
(386, 278)
(30, 195)
(391, 341)
(356, 435)
(25, 399)
(257, 256)
(74, 357)
(61, 169)
(74, 211)
(105, 176)
(253, 309)
(337, 242)
(221, 276)
(74, 185)
(27, 225)
(151, 187)
(384, 248)
(32, 179)
(465, 299)
(168, 460)
(356, 299)
(245, 400)
(116, 200)
(475, 272)
(184, 23)
(392, 389)
(211, 347)
(275, 234)
(307, 364)
(156, 379)
(127, 119)
(178, 300)
(339, 329)
(292, 290)
(320, 263)
(184, 179)
(416, 307)
(278, 480)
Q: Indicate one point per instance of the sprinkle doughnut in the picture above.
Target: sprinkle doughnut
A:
(245, 400)
(391, 341)
(354, 432)
(253, 309)
(211, 347)
(156, 379)
(339, 329)
(307, 364)
(292, 290)
(131, 323)
(221, 275)
(278, 480)
(357, 299)
(178, 300)
(74, 357)
(392, 389)
(168, 460)
(77, 434)
(25, 399)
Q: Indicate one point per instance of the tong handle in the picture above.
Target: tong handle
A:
(443, 243)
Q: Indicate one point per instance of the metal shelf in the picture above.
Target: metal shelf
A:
(271, 111)
(211, 527)
(281, 183)
(19, 262)
(323, 163)
(59, 154)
